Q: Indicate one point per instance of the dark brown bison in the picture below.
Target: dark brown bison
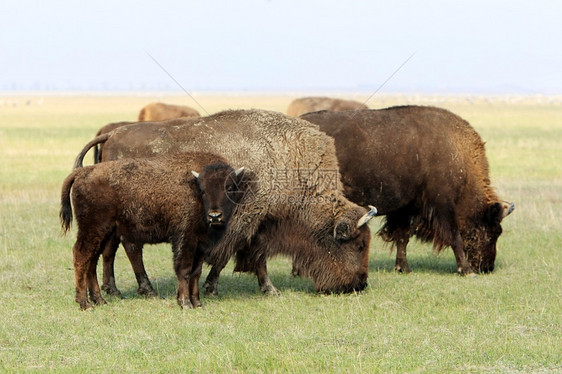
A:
(296, 186)
(314, 104)
(105, 129)
(425, 168)
(135, 256)
(148, 201)
(325, 266)
(161, 112)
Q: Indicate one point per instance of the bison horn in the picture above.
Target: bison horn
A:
(507, 208)
(367, 216)
(237, 172)
(195, 174)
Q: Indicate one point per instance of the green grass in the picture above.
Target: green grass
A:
(429, 321)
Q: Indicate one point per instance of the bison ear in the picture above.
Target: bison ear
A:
(342, 231)
(494, 213)
(195, 174)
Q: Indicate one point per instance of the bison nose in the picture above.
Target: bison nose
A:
(215, 216)
(361, 286)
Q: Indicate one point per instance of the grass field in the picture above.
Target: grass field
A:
(428, 321)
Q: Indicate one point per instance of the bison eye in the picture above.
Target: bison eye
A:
(229, 188)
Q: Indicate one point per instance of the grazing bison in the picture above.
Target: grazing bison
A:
(161, 112)
(296, 186)
(314, 104)
(425, 168)
(148, 201)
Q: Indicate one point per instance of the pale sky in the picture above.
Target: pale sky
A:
(468, 46)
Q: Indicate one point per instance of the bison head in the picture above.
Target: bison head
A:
(481, 238)
(340, 263)
(219, 186)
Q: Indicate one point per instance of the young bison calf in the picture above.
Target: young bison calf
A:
(149, 201)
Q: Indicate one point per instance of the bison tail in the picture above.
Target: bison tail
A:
(78, 163)
(97, 155)
(65, 213)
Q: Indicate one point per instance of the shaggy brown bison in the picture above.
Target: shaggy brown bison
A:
(314, 104)
(296, 186)
(108, 255)
(148, 201)
(425, 168)
(161, 112)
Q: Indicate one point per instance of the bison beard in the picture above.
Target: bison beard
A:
(310, 259)
(426, 170)
(265, 142)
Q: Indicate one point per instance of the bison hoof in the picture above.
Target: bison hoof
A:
(185, 304)
(84, 305)
(146, 292)
(271, 291)
(402, 269)
(99, 301)
(467, 272)
(112, 291)
(295, 272)
(210, 290)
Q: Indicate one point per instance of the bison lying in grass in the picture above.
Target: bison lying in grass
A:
(425, 169)
(296, 206)
(149, 201)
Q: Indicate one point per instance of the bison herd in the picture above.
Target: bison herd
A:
(254, 184)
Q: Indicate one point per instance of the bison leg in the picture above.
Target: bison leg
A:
(108, 266)
(93, 285)
(134, 253)
(183, 265)
(295, 271)
(463, 266)
(84, 252)
(194, 280)
(266, 286)
(80, 281)
(457, 244)
(212, 281)
(398, 231)
(401, 264)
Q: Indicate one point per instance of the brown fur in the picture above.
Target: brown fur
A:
(315, 104)
(104, 130)
(266, 142)
(135, 256)
(162, 112)
(146, 201)
(329, 268)
(424, 168)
